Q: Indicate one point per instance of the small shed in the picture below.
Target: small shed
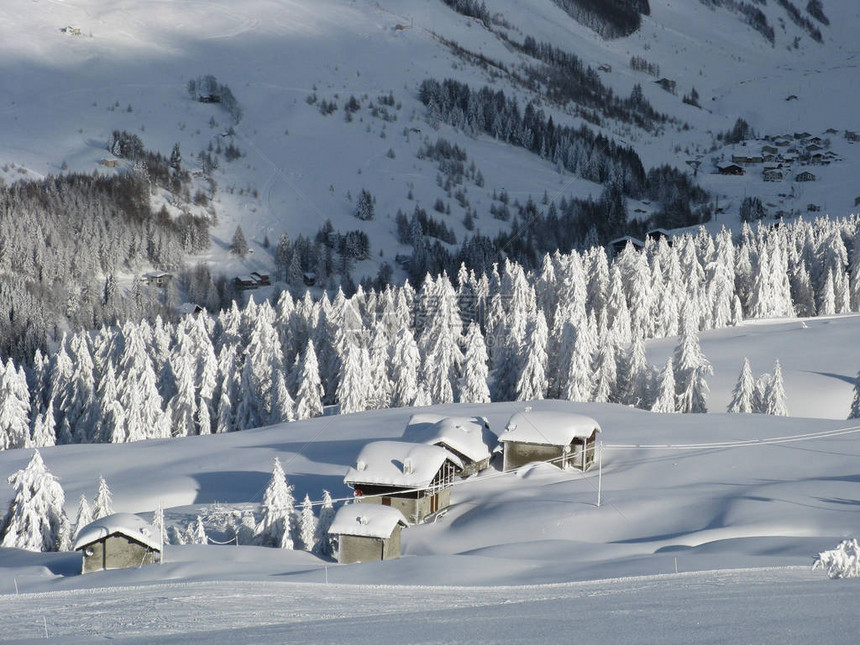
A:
(565, 438)
(413, 478)
(466, 437)
(366, 533)
(118, 541)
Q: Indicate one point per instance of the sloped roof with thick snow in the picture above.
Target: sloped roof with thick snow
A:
(366, 520)
(548, 427)
(126, 524)
(465, 435)
(399, 464)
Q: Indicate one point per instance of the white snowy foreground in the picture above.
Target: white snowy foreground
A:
(788, 605)
(738, 504)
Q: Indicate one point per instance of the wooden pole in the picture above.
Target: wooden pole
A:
(599, 471)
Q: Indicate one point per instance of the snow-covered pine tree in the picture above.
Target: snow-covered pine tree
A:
(854, 412)
(35, 520)
(85, 514)
(352, 389)
(196, 532)
(102, 505)
(44, 433)
(378, 355)
(743, 395)
(14, 408)
(774, 397)
(310, 390)
(282, 404)
(322, 540)
(532, 381)
(691, 368)
(137, 390)
(307, 525)
(183, 406)
(277, 509)
(405, 369)
(665, 400)
(473, 384)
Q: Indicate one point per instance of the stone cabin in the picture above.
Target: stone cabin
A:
(366, 532)
(565, 438)
(468, 438)
(413, 478)
(118, 541)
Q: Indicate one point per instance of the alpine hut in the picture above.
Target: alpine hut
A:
(411, 477)
(565, 439)
(366, 532)
(468, 438)
(118, 541)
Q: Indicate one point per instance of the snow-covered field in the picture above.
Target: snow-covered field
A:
(748, 514)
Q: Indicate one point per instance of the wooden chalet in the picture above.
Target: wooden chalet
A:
(565, 439)
(618, 245)
(413, 478)
(805, 176)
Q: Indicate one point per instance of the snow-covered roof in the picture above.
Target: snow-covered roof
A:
(366, 520)
(126, 524)
(398, 463)
(465, 435)
(547, 427)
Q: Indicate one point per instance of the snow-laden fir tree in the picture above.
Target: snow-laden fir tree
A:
(322, 540)
(183, 406)
(665, 399)
(352, 389)
(196, 532)
(36, 520)
(102, 505)
(634, 382)
(440, 339)
(277, 509)
(473, 384)
(774, 396)
(239, 245)
(691, 369)
(377, 373)
(85, 514)
(137, 391)
(310, 390)
(44, 433)
(532, 381)
(854, 413)
(14, 408)
(283, 407)
(743, 395)
(405, 369)
(307, 525)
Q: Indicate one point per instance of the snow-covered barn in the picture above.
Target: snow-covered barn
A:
(468, 438)
(366, 532)
(411, 477)
(118, 541)
(567, 439)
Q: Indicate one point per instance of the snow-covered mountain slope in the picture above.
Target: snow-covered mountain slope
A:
(63, 94)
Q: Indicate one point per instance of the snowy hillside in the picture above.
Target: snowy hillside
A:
(128, 70)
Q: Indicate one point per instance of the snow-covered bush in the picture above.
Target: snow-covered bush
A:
(841, 562)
